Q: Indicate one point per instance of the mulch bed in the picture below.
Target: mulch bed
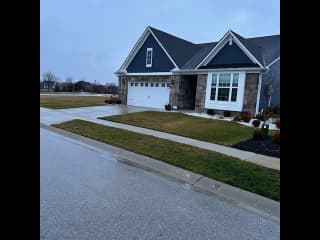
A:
(265, 147)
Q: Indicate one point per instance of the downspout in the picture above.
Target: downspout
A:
(263, 71)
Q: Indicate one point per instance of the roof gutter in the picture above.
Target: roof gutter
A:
(197, 71)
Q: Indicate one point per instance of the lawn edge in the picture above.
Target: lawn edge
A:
(253, 202)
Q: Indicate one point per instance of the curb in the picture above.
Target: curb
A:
(250, 201)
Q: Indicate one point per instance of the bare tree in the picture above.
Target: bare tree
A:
(69, 80)
(49, 77)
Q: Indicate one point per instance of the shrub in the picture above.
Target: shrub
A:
(276, 138)
(257, 135)
(245, 116)
(210, 112)
(167, 107)
(227, 113)
(278, 123)
(237, 118)
(256, 123)
(112, 100)
(108, 101)
(262, 117)
(276, 110)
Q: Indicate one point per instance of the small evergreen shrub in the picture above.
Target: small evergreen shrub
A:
(257, 135)
(227, 113)
(237, 118)
(256, 123)
(276, 138)
(168, 107)
(210, 112)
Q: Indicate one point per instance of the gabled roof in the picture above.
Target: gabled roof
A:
(179, 49)
(270, 47)
(188, 55)
(199, 55)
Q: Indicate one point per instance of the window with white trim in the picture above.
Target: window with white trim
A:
(149, 57)
(224, 87)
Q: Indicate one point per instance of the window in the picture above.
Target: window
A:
(168, 84)
(151, 84)
(136, 84)
(131, 84)
(224, 87)
(163, 84)
(141, 84)
(149, 57)
(213, 87)
(157, 84)
(234, 89)
(146, 84)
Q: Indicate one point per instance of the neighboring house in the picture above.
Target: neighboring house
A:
(47, 84)
(228, 75)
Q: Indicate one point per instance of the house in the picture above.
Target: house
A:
(228, 75)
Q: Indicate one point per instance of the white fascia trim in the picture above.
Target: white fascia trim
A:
(135, 49)
(163, 48)
(149, 74)
(246, 51)
(215, 47)
(220, 45)
(247, 69)
(273, 62)
(258, 95)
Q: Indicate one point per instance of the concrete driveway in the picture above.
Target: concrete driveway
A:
(51, 116)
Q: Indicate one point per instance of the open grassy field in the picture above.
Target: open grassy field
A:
(61, 102)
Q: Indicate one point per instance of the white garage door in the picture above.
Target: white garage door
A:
(148, 94)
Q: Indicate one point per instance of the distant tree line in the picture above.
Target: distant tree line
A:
(51, 82)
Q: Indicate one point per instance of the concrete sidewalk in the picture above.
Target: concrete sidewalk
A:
(266, 161)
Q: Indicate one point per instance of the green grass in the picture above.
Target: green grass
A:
(61, 102)
(209, 130)
(230, 170)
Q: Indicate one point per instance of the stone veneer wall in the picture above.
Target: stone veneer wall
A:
(250, 92)
(124, 79)
(201, 92)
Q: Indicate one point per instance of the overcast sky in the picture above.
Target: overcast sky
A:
(89, 39)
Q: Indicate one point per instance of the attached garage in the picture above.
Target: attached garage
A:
(148, 94)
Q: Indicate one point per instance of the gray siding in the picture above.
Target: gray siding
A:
(160, 61)
(230, 56)
(274, 77)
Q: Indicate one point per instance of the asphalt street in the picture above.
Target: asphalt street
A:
(87, 194)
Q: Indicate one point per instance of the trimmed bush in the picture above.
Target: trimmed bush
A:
(276, 110)
(257, 135)
(210, 112)
(227, 113)
(276, 138)
(256, 123)
(168, 107)
(237, 118)
(278, 123)
(112, 100)
(245, 116)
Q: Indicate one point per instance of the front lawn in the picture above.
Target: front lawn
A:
(209, 130)
(61, 102)
(242, 174)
